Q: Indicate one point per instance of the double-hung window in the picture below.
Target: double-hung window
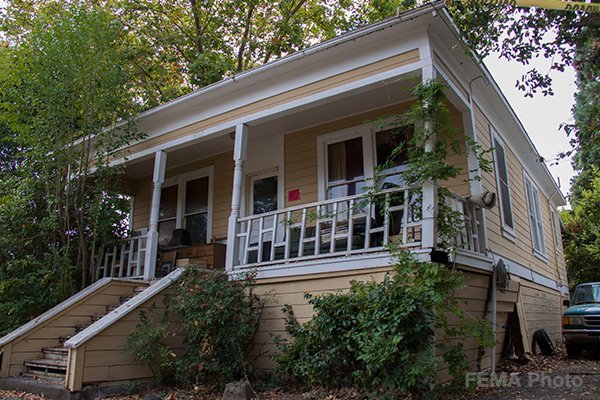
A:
(349, 158)
(506, 214)
(185, 203)
(535, 218)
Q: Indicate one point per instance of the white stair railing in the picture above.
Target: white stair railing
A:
(123, 259)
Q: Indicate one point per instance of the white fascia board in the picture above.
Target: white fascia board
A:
(34, 323)
(326, 265)
(307, 101)
(124, 309)
(507, 119)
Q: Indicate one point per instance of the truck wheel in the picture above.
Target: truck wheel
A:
(574, 350)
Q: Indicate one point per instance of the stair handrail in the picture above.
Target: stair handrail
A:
(123, 310)
(37, 321)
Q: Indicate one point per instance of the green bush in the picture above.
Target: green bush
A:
(381, 335)
(219, 319)
(148, 343)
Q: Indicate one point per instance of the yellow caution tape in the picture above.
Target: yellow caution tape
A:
(549, 4)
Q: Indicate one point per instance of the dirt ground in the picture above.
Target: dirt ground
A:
(545, 378)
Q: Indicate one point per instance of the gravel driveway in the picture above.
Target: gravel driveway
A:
(555, 377)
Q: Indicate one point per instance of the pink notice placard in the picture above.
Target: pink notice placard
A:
(294, 195)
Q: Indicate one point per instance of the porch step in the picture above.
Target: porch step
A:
(139, 289)
(46, 365)
(125, 299)
(79, 328)
(55, 353)
(111, 308)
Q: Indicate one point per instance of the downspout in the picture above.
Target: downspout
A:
(494, 308)
(492, 295)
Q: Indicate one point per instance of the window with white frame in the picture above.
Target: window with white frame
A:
(505, 204)
(185, 203)
(345, 168)
(348, 159)
(556, 230)
(535, 217)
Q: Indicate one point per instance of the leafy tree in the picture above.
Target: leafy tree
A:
(582, 231)
(567, 38)
(183, 45)
(62, 83)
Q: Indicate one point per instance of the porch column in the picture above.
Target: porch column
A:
(239, 155)
(429, 206)
(160, 163)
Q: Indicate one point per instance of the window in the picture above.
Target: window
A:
(506, 215)
(195, 218)
(264, 194)
(555, 230)
(185, 203)
(392, 161)
(535, 218)
(167, 214)
(347, 159)
(345, 168)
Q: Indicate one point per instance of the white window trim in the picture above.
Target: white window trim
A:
(507, 231)
(535, 192)
(181, 181)
(555, 223)
(350, 133)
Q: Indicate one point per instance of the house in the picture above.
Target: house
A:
(264, 172)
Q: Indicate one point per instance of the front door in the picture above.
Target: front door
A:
(263, 198)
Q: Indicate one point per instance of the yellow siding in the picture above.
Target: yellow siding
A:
(300, 152)
(291, 291)
(29, 345)
(520, 249)
(106, 358)
(543, 308)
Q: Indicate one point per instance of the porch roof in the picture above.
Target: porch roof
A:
(410, 31)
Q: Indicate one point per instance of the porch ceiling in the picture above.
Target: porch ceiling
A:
(374, 96)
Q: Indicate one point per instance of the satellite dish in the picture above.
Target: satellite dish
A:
(502, 276)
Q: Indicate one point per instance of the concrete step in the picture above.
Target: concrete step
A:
(55, 353)
(111, 308)
(49, 389)
(46, 365)
(51, 378)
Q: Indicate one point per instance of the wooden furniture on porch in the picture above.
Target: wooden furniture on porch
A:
(210, 254)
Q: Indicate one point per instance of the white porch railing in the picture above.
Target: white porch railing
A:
(349, 225)
(342, 226)
(123, 259)
(470, 233)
